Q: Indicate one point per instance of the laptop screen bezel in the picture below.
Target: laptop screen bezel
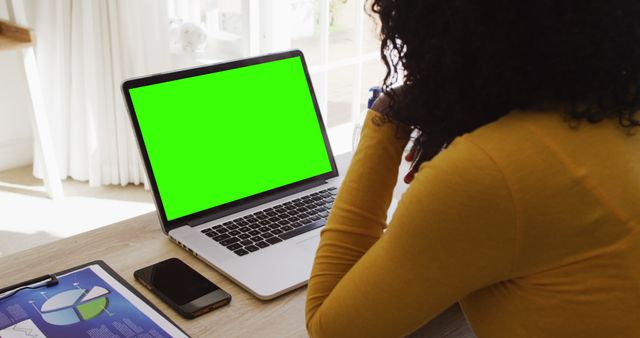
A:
(250, 201)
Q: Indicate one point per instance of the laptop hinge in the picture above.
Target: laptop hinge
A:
(249, 205)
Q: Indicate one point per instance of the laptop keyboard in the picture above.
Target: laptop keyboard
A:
(273, 225)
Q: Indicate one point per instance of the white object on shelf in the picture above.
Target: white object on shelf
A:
(192, 37)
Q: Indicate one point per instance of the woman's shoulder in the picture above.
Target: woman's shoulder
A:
(517, 124)
(528, 138)
(520, 137)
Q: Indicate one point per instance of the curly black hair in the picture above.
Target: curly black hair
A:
(466, 63)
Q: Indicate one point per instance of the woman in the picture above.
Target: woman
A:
(529, 217)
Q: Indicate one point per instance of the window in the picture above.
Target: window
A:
(339, 40)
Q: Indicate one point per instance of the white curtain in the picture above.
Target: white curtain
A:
(85, 49)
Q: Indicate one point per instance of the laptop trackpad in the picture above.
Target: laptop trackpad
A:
(310, 245)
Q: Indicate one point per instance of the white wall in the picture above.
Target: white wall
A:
(16, 140)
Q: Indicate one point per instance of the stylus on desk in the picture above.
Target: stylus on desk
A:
(39, 282)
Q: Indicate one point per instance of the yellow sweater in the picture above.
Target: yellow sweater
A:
(531, 225)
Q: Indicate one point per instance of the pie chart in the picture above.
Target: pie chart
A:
(72, 306)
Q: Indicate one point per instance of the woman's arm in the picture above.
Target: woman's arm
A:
(453, 232)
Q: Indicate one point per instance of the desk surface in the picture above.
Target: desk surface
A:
(138, 242)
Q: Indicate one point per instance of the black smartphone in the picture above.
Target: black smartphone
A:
(182, 288)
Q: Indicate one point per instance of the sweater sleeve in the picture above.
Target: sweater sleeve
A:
(454, 232)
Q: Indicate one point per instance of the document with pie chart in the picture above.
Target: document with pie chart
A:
(88, 302)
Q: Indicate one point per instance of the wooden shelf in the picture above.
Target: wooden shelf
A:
(13, 36)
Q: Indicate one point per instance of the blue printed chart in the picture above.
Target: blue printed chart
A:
(70, 307)
(86, 303)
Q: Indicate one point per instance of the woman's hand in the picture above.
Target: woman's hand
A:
(409, 158)
(382, 105)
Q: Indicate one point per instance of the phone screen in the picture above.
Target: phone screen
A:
(177, 281)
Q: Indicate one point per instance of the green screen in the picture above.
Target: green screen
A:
(220, 137)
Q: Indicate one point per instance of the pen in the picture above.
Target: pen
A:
(42, 281)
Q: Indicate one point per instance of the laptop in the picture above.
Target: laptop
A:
(240, 166)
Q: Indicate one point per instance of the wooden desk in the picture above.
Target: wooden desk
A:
(138, 242)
